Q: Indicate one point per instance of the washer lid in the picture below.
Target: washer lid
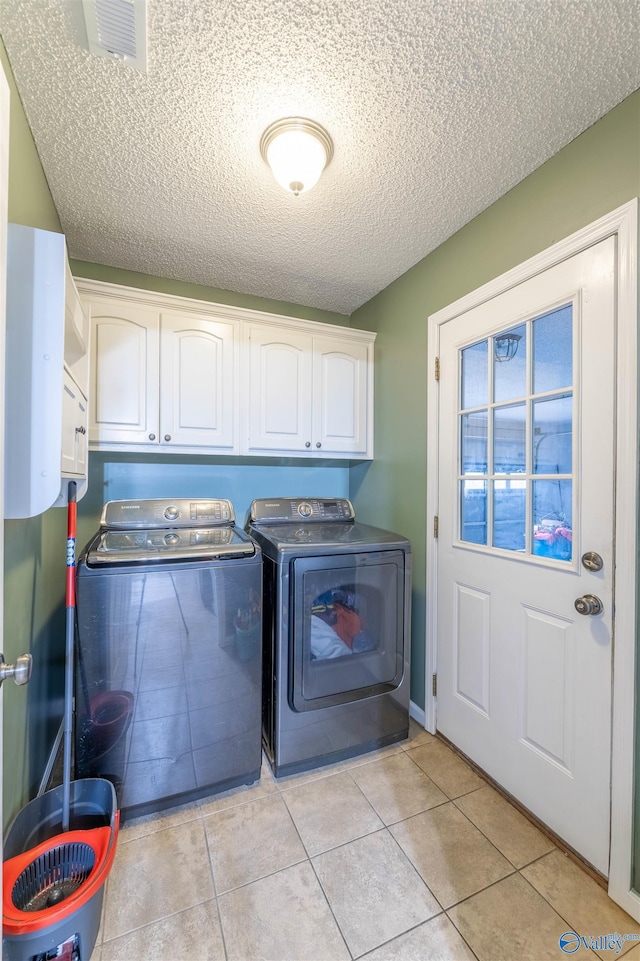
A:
(148, 546)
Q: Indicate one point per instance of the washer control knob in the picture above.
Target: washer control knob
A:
(171, 539)
(171, 513)
(305, 510)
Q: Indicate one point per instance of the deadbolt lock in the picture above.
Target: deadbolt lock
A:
(592, 561)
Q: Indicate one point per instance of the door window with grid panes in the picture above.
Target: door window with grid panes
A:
(516, 448)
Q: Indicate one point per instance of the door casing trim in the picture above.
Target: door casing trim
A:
(621, 223)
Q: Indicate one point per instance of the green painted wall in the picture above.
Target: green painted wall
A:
(590, 177)
(34, 549)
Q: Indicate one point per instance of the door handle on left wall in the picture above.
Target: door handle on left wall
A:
(20, 671)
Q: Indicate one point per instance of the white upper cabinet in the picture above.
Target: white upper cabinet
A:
(124, 380)
(197, 374)
(280, 389)
(46, 375)
(309, 394)
(342, 414)
(161, 379)
(178, 375)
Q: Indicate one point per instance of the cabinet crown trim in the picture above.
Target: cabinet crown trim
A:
(91, 289)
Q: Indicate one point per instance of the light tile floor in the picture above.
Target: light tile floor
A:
(401, 855)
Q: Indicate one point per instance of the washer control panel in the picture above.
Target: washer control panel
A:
(158, 513)
(295, 510)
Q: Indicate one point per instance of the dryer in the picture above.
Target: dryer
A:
(336, 632)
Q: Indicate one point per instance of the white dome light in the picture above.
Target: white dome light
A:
(297, 150)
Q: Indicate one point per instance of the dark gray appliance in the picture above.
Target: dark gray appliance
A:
(168, 668)
(336, 620)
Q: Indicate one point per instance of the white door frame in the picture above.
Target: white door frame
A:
(621, 223)
(4, 192)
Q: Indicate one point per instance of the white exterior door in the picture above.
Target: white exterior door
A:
(197, 374)
(525, 479)
(124, 374)
(4, 190)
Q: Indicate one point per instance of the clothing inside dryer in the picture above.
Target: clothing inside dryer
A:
(337, 628)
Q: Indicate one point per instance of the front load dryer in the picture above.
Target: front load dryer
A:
(336, 621)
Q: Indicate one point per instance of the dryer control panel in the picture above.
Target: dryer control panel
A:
(280, 510)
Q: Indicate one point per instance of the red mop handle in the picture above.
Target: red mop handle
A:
(71, 546)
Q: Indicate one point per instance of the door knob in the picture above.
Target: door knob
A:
(588, 604)
(20, 671)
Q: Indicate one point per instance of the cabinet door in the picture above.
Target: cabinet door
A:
(124, 374)
(197, 377)
(340, 396)
(74, 428)
(279, 400)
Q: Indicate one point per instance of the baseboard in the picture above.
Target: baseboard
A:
(417, 713)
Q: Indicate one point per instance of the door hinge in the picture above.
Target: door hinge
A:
(434, 685)
(436, 526)
(437, 370)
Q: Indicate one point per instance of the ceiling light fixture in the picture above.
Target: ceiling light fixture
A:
(297, 150)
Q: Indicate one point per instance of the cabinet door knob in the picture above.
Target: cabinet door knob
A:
(308, 444)
(80, 430)
(318, 444)
(152, 436)
(167, 436)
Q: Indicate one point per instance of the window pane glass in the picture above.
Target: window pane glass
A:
(553, 350)
(473, 511)
(509, 506)
(552, 435)
(474, 443)
(510, 364)
(509, 439)
(475, 375)
(552, 519)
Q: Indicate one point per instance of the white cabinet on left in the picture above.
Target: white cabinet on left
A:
(161, 379)
(46, 375)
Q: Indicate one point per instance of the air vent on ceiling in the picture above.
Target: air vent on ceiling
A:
(118, 29)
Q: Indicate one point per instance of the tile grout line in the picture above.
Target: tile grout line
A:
(215, 893)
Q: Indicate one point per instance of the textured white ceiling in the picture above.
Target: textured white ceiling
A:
(435, 107)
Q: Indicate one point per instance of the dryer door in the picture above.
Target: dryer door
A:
(347, 627)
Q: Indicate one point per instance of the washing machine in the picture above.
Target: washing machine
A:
(168, 664)
(336, 623)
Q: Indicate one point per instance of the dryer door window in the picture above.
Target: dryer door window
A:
(347, 637)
